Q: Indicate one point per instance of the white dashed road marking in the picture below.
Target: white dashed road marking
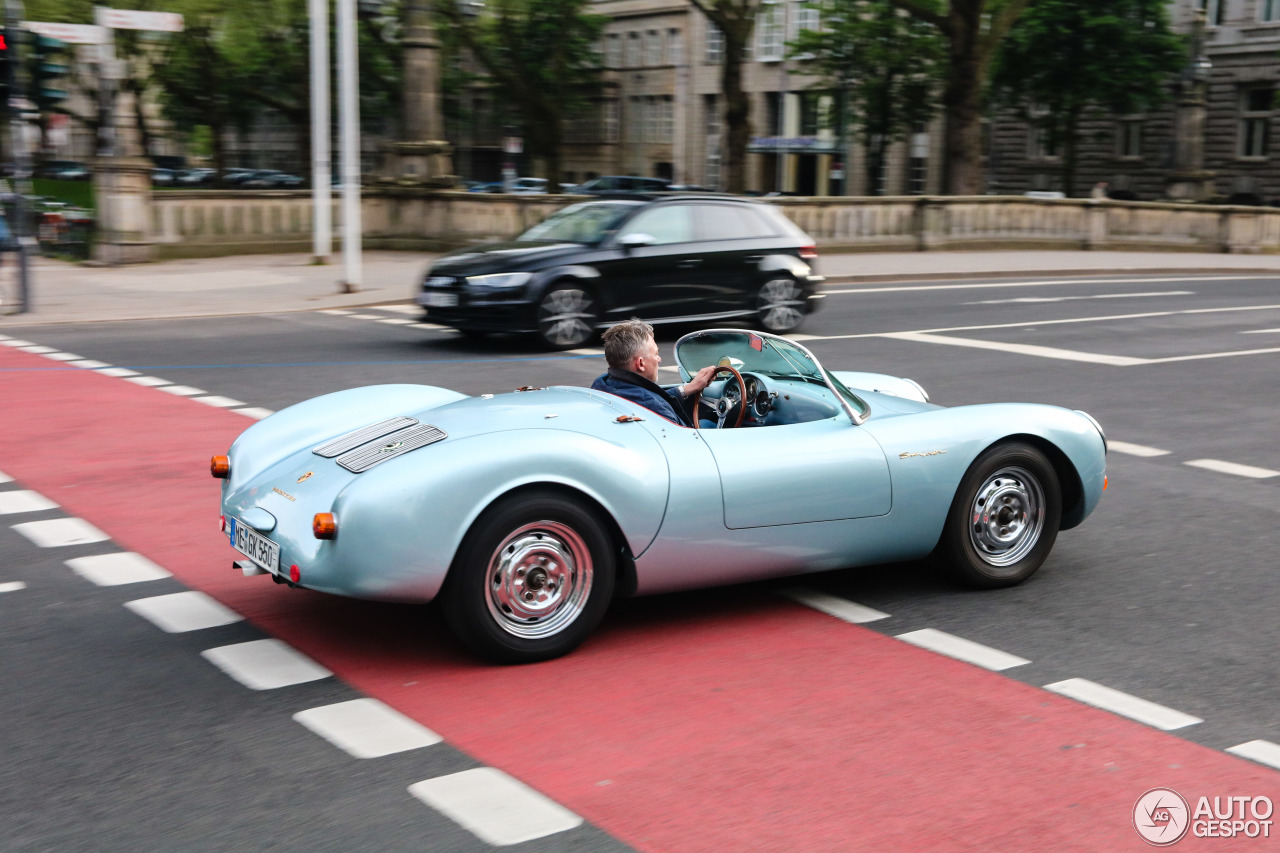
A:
(1135, 449)
(5, 478)
(1233, 468)
(962, 649)
(1074, 298)
(495, 807)
(148, 381)
(833, 605)
(1261, 751)
(89, 364)
(1041, 283)
(14, 342)
(12, 586)
(61, 532)
(364, 316)
(181, 390)
(1123, 704)
(24, 501)
(1019, 349)
(399, 309)
(116, 569)
(1259, 332)
(366, 728)
(118, 371)
(254, 412)
(63, 356)
(337, 312)
(265, 664)
(219, 402)
(183, 611)
(396, 321)
(38, 349)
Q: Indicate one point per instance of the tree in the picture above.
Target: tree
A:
(885, 67)
(1067, 59)
(973, 30)
(542, 56)
(736, 21)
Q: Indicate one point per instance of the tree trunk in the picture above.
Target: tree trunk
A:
(962, 101)
(737, 110)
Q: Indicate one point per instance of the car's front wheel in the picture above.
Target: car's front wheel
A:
(1004, 518)
(532, 579)
(780, 304)
(567, 316)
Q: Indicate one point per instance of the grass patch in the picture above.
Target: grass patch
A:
(74, 193)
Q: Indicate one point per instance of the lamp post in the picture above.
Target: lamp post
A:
(1189, 180)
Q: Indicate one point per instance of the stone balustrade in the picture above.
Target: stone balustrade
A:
(222, 222)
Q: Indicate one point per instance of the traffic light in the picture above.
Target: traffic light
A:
(48, 67)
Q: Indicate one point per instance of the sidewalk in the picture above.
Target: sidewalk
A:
(265, 284)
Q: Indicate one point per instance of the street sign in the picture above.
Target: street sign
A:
(70, 33)
(129, 19)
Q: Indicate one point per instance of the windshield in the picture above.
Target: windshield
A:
(586, 223)
(762, 354)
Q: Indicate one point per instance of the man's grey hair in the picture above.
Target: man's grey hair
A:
(625, 341)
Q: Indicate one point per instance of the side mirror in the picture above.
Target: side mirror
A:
(635, 240)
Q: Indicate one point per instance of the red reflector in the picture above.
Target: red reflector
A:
(220, 467)
(222, 523)
(295, 574)
(809, 252)
(324, 525)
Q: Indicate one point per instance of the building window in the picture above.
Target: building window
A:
(653, 48)
(1214, 11)
(918, 162)
(666, 119)
(804, 16)
(1042, 142)
(613, 51)
(633, 50)
(1269, 11)
(810, 113)
(1255, 121)
(1129, 138)
(611, 121)
(770, 26)
(715, 43)
(675, 47)
(635, 121)
(773, 114)
(711, 120)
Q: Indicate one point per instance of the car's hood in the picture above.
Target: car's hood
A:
(502, 257)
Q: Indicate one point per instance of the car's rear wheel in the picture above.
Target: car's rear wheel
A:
(567, 316)
(780, 304)
(532, 579)
(1004, 518)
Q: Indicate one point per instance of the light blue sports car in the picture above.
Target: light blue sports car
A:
(526, 513)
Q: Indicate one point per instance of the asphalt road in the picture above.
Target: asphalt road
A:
(1168, 592)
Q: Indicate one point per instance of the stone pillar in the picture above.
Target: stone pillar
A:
(1189, 180)
(122, 186)
(422, 158)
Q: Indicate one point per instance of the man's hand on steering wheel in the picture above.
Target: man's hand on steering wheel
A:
(725, 404)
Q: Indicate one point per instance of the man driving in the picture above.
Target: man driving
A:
(633, 359)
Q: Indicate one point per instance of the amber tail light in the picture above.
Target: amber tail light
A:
(324, 525)
(220, 467)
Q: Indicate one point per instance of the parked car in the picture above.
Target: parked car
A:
(613, 184)
(199, 176)
(163, 177)
(63, 170)
(525, 514)
(674, 258)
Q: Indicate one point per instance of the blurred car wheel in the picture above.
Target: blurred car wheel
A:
(780, 304)
(566, 316)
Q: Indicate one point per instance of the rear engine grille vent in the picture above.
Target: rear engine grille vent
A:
(364, 435)
(390, 446)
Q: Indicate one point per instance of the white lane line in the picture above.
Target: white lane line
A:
(148, 381)
(1040, 283)
(337, 312)
(181, 390)
(1259, 331)
(89, 364)
(38, 349)
(396, 321)
(833, 605)
(265, 664)
(1261, 751)
(219, 402)
(63, 356)
(1228, 354)
(366, 728)
(5, 478)
(1135, 449)
(399, 309)
(364, 317)
(118, 371)
(1233, 468)
(495, 807)
(1018, 349)
(254, 412)
(14, 342)
(12, 586)
(962, 649)
(586, 351)
(5, 338)
(673, 368)
(116, 569)
(1092, 693)
(1075, 298)
(435, 326)
(24, 500)
(180, 612)
(61, 532)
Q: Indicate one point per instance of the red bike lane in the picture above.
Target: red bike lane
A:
(703, 722)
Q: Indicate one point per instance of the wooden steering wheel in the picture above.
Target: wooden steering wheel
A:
(724, 405)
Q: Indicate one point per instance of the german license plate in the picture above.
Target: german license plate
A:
(255, 546)
(436, 299)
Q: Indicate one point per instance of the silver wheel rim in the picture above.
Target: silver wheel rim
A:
(781, 304)
(565, 316)
(539, 580)
(1006, 517)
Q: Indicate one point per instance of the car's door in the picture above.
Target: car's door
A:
(732, 241)
(651, 281)
(796, 473)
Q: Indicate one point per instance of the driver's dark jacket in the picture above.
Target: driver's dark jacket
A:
(637, 389)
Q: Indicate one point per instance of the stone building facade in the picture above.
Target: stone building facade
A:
(1135, 153)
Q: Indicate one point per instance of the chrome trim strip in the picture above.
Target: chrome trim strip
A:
(390, 446)
(364, 435)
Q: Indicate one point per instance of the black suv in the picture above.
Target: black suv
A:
(671, 259)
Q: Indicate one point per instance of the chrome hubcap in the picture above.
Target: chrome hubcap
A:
(565, 316)
(781, 305)
(1007, 517)
(539, 580)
